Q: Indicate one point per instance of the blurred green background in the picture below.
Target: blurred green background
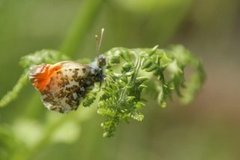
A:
(207, 129)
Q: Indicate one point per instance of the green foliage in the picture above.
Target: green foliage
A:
(127, 74)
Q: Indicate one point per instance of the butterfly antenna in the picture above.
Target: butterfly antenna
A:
(99, 41)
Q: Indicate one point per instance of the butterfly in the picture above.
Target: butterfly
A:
(63, 85)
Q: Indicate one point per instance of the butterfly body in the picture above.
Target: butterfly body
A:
(63, 85)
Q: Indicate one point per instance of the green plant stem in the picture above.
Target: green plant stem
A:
(11, 95)
(85, 19)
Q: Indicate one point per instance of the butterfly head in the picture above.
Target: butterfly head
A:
(101, 61)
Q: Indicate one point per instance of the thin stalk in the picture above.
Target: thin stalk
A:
(85, 19)
(11, 95)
